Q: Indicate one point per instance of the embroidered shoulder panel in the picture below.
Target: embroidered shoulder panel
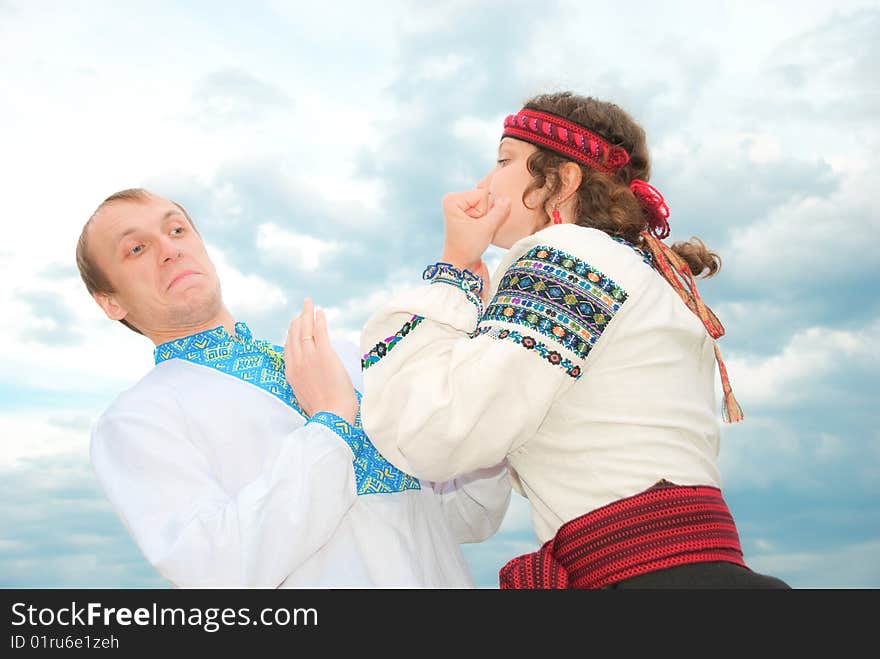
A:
(553, 293)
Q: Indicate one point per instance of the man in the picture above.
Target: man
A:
(220, 473)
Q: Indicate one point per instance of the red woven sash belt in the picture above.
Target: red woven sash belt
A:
(664, 526)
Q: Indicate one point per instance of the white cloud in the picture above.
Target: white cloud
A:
(773, 447)
(430, 17)
(764, 149)
(245, 294)
(293, 250)
(769, 452)
(232, 95)
(805, 238)
(102, 351)
(105, 353)
(30, 436)
(347, 320)
(801, 369)
(479, 136)
(11, 545)
(440, 67)
(60, 531)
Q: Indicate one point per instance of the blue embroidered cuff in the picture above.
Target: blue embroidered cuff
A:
(373, 473)
(350, 434)
(446, 273)
(469, 281)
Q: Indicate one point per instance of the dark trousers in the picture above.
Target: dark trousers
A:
(715, 574)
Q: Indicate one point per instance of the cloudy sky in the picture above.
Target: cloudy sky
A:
(312, 142)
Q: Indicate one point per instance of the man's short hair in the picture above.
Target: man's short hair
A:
(93, 277)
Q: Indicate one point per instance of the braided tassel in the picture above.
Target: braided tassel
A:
(731, 410)
(677, 273)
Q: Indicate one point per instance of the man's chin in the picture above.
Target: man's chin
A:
(195, 311)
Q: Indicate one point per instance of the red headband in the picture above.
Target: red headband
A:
(567, 138)
(583, 146)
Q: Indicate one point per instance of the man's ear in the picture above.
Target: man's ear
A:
(111, 307)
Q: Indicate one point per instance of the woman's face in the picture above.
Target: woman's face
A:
(509, 178)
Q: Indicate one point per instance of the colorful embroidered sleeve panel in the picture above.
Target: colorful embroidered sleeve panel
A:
(385, 346)
(559, 304)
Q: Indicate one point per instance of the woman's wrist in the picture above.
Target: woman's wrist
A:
(459, 261)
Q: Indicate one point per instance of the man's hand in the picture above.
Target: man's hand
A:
(471, 220)
(314, 370)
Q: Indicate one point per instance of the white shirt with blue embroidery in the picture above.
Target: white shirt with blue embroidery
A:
(586, 371)
(223, 482)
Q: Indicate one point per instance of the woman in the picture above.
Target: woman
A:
(588, 362)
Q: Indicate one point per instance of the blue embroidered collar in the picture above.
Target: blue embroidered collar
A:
(185, 347)
(242, 356)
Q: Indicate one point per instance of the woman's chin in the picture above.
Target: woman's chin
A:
(502, 239)
(505, 241)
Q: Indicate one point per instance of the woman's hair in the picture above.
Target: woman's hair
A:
(605, 201)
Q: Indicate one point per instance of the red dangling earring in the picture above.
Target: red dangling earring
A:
(557, 218)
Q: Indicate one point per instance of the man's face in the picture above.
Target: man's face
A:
(157, 265)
